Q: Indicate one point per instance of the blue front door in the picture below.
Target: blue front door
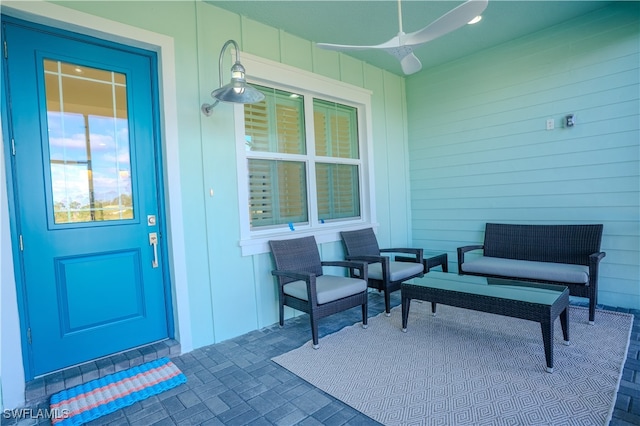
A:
(85, 182)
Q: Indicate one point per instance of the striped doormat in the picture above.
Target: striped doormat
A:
(103, 396)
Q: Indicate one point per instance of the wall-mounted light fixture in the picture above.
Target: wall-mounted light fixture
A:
(237, 91)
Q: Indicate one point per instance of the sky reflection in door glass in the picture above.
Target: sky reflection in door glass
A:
(89, 150)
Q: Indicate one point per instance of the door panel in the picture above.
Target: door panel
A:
(112, 296)
(86, 177)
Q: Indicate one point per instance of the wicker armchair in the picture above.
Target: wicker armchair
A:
(303, 286)
(385, 274)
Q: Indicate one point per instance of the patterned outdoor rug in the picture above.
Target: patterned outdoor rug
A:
(100, 397)
(463, 367)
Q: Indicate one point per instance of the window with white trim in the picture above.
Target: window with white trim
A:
(304, 164)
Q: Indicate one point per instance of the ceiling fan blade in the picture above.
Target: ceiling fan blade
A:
(408, 61)
(329, 46)
(448, 22)
(410, 64)
(394, 42)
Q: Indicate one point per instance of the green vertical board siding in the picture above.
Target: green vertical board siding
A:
(397, 161)
(266, 291)
(211, 147)
(230, 276)
(260, 39)
(374, 81)
(296, 51)
(326, 63)
(390, 156)
(480, 150)
(351, 70)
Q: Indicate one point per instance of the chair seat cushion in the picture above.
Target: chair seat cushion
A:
(398, 271)
(547, 271)
(328, 287)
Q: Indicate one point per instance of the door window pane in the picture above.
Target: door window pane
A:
(89, 152)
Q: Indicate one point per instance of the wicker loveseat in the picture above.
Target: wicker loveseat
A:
(562, 254)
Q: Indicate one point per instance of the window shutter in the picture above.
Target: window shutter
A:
(289, 125)
(321, 129)
(260, 193)
(337, 191)
(292, 192)
(276, 124)
(256, 126)
(277, 192)
(335, 129)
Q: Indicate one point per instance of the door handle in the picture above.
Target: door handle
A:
(153, 240)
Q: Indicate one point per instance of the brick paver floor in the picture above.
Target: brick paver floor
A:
(236, 383)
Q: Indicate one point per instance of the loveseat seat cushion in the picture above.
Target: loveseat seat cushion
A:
(328, 287)
(547, 271)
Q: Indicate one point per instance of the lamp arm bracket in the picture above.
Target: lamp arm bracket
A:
(207, 109)
(224, 48)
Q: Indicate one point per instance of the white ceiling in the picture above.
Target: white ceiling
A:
(367, 22)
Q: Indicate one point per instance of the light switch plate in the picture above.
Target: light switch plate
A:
(550, 123)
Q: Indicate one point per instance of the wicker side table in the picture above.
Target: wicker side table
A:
(430, 259)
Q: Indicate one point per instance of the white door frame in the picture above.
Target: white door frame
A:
(11, 362)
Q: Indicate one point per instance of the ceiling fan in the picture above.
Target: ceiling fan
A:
(402, 45)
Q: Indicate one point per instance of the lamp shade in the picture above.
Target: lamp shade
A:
(238, 94)
(237, 91)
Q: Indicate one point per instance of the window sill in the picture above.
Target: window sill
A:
(331, 233)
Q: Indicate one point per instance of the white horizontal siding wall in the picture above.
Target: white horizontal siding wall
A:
(480, 151)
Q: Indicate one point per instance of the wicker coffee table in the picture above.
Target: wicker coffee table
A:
(542, 303)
